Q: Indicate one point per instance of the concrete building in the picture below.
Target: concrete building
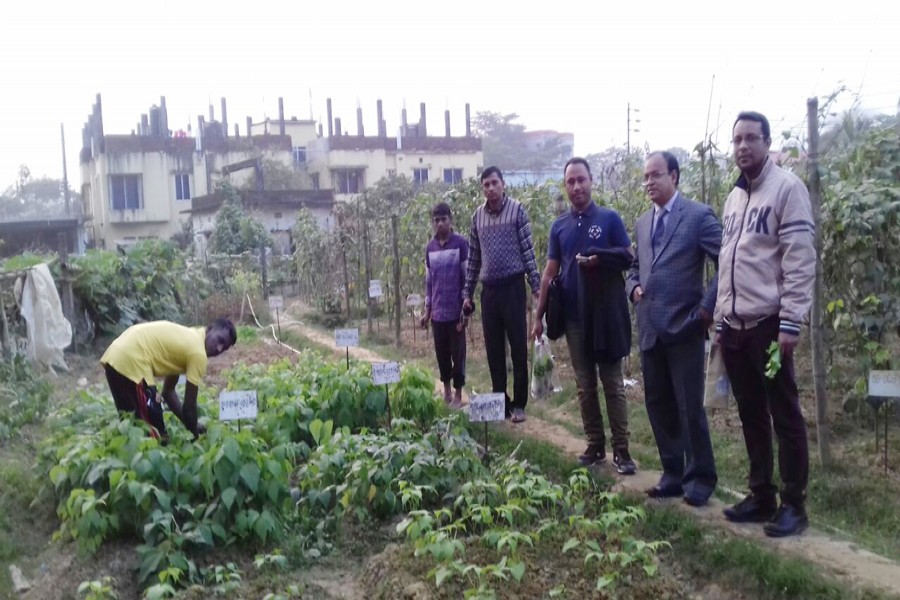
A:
(141, 185)
(348, 164)
(138, 186)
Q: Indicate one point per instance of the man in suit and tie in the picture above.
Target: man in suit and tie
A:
(665, 284)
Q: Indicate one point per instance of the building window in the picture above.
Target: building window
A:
(299, 155)
(452, 176)
(420, 176)
(125, 192)
(348, 181)
(182, 186)
(315, 181)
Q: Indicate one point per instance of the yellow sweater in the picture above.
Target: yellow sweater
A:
(158, 349)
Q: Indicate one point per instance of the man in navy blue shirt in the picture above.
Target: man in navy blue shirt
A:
(589, 249)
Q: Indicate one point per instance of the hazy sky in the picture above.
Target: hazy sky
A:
(564, 65)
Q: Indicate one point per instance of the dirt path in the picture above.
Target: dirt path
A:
(843, 559)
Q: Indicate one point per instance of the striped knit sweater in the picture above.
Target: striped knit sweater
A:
(500, 247)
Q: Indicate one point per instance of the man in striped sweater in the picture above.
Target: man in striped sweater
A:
(501, 255)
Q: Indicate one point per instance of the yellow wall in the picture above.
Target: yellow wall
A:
(379, 163)
(302, 132)
(161, 215)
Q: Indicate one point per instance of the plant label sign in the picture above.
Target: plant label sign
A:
(276, 303)
(487, 407)
(414, 300)
(387, 372)
(375, 288)
(344, 338)
(237, 405)
(884, 383)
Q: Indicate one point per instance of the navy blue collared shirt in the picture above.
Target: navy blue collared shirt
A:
(573, 233)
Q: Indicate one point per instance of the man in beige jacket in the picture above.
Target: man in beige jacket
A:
(766, 274)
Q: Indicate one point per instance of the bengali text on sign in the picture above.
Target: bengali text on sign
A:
(239, 404)
(344, 338)
(388, 372)
(487, 407)
(884, 383)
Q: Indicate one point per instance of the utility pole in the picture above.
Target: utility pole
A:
(628, 137)
(65, 179)
(818, 344)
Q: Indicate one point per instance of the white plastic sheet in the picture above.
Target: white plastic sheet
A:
(49, 332)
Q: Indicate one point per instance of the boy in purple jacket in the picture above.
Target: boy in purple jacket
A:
(446, 257)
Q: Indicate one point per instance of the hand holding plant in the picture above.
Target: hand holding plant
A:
(774, 363)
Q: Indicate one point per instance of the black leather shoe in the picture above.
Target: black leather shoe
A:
(695, 501)
(752, 509)
(593, 455)
(788, 520)
(664, 492)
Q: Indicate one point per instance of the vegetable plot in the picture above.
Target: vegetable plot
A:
(318, 454)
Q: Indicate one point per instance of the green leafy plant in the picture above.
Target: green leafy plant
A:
(24, 396)
(147, 282)
(98, 589)
(236, 232)
(773, 365)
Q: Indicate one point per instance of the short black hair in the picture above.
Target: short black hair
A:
(671, 162)
(577, 160)
(491, 171)
(441, 209)
(749, 115)
(227, 326)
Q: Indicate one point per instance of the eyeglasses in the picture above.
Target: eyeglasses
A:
(655, 176)
(750, 138)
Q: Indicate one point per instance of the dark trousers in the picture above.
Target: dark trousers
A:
(450, 349)
(764, 402)
(502, 318)
(137, 398)
(586, 372)
(674, 385)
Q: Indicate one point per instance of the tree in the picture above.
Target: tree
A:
(506, 145)
(36, 198)
(280, 176)
(236, 232)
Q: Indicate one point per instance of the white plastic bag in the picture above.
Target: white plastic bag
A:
(718, 388)
(49, 332)
(544, 378)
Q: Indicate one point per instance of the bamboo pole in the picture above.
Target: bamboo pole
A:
(816, 325)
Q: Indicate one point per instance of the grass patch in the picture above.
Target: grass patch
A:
(22, 525)
(548, 458)
(742, 564)
(859, 501)
(247, 334)
(301, 342)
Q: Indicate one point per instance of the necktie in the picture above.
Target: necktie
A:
(659, 231)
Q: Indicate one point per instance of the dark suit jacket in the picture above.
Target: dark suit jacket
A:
(604, 306)
(672, 282)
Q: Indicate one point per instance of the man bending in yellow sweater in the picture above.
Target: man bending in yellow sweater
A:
(163, 349)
